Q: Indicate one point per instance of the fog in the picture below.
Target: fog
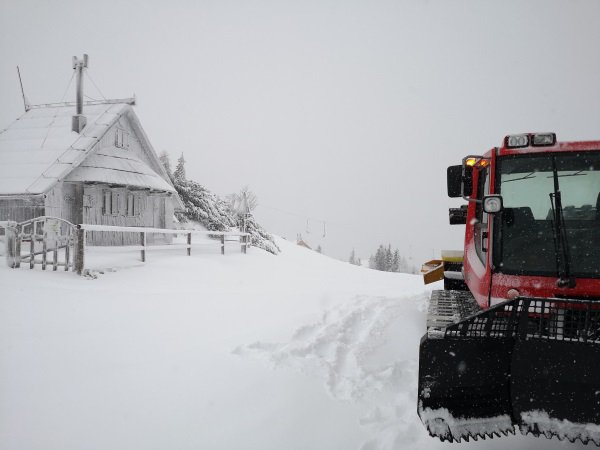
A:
(341, 116)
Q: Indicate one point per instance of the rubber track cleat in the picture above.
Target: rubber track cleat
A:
(538, 423)
(447, 428)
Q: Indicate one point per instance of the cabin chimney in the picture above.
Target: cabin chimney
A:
(79, 119)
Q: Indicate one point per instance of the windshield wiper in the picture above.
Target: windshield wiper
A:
(576, 174)
(526, 177)
(559, 229)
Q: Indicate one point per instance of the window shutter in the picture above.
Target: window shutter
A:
(107, 199)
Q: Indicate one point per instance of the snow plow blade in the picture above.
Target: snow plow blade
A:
(528, 363)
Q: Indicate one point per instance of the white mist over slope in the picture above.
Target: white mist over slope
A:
(296, 351)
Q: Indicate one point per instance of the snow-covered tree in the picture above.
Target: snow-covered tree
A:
(356, 260)
(395, 262)
(179, 173)
(403, 265)
(380, 260)
(387, 260)
(352, 259)
(166, 163)
(319, 249)
(203, 206)
(215, 214)
(259, 237)
(243, 201)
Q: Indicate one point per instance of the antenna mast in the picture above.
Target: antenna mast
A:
(25, 103)
(79, 121)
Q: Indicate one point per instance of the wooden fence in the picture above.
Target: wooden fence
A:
(34, 241)
(143, 248)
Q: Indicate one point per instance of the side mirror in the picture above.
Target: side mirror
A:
(459, 181)
(454, 181)
(492, 204)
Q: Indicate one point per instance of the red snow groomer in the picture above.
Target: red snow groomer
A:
(514, 337)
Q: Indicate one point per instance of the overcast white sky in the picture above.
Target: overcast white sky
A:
(342, 111)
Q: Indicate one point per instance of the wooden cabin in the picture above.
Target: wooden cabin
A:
(86, 163)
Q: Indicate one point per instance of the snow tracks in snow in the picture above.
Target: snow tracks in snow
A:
(366, 352)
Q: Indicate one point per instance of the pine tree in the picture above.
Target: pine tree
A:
(396, 261)
(352, 259)
(166, 163)
(388, 258)
(179, 173)
(259, 237)
(403, 265)
(380, 258)
(319, 249)
(215, 214)
(385, 260)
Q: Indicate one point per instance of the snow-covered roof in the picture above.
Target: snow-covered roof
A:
(39, 149)
(117, 167)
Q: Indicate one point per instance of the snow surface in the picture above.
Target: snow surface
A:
(296, 351)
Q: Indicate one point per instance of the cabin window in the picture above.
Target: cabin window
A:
(133, 205)
(121, 138)
(110, 203)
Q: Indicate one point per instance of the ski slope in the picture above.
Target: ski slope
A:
(296, 351)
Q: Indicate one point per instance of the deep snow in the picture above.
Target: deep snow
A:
(296, 351)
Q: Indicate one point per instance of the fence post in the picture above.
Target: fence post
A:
(244, 243)
(18, 242)
(44, 251)
(55, 256)
(222, 244)
(80, 251)
(143, 242)
(13, 256)
(67, 250)
(189, 243)
(32, 249)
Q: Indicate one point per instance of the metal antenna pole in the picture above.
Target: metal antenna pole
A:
(79, 65)
(25, 103)
(79, 120)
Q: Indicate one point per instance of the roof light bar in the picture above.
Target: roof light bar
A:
(517, 141)
(543, 139)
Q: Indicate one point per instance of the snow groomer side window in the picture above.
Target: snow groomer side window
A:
(480, 228)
